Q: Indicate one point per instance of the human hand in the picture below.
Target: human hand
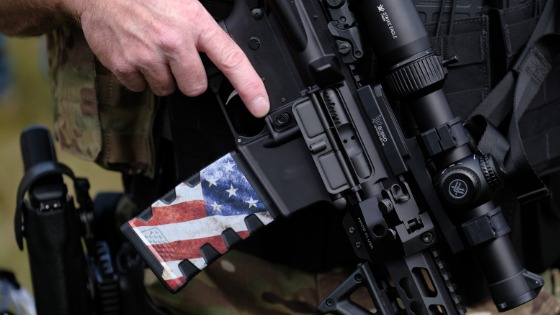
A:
(157, 44)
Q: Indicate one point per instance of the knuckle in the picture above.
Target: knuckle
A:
(195, 82)
(121, 69)
(170, 43)
(145, 60)
(164, 89)
(195, 11)
(125, 75)
(128, 76)
(231, 59)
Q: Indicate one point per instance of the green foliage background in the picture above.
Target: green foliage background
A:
(29, 102)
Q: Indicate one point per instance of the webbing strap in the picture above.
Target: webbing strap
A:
(497, 105)
(488, 138)
(532, 74)
(519, 88)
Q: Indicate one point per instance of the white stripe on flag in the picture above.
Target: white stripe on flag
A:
(188, 230)
(195, 229)
(171, 268)
(265, 217)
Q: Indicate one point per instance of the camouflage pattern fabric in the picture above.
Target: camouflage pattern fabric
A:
(97, 118)
(71, 68)
(127, 120)
(242, 284)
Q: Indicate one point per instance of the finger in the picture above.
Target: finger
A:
(159, 78)
(232, 61)
(188, 70)
(131, 79)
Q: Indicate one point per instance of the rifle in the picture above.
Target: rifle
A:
(413, 196)
(77, 265)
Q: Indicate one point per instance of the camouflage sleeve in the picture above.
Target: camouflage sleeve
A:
(97, 118)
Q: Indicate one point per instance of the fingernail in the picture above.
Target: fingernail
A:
(260, 106)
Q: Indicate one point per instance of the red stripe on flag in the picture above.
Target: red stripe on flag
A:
(175, 283)
(243, 234)
(174, 213)
(189, 249)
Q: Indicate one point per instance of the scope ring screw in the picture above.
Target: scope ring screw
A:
(427, 238)
(344, 48)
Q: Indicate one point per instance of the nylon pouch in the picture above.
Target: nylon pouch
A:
(96, 118)
(469, 42)
(71, 68)
(126, 120)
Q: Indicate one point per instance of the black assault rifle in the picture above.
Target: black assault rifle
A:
(412, 195)
(78, 261)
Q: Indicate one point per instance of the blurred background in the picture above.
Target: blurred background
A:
(25, 100)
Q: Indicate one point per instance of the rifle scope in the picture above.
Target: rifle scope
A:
(415, 75)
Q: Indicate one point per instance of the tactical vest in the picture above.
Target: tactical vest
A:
(505, 85)
(487, 37)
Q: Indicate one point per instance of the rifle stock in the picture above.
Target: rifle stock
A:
(331, 136)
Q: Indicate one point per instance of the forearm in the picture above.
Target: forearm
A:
(32, 17)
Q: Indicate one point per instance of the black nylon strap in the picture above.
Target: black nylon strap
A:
(488, 138)
(519, 88)
(532, 74)
(33, 174)
(497, 105)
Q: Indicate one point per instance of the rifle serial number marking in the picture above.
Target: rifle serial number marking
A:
(385, 18)
(378, 125)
